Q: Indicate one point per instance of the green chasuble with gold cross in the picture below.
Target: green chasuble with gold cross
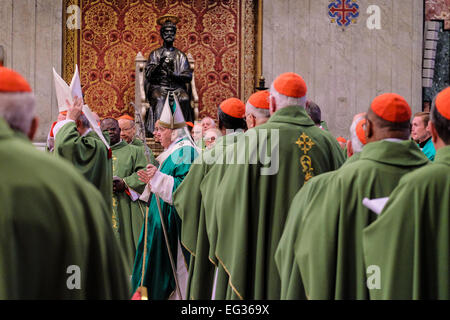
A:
(128, 210)
(410, 242)
(327, 219)
(89, 155)
(188, 202)
(253, 198)
(56, 240)
(158, 275)
(291, 285)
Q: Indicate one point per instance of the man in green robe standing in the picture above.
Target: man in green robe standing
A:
(157, 272)
(128, 210)
(256, 113)
(128, 133)
(408, 245)
(55, 237)
(291, 285)
(76, 142)
(190, 207)
(329, 215)
(274, 161)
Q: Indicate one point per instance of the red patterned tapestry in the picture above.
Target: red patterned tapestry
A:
(220, 35)
(438, 10)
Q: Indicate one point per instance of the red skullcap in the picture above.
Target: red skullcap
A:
(290, 84)
(233, 107)
(391, 107)
(126, 117)
(360, 131)
(341, 139)
(190, 124)
(260, 99)
(11, 81)
(443, 103)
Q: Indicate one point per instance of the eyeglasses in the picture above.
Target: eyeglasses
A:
(127, 129)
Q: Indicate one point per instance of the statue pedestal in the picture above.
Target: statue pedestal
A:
(156, 147)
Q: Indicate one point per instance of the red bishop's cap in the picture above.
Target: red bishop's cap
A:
(126, 117)
(11, 81)
(233, 107)
(443, 103)
(260, 99)
(391, 107)
(290, 84)
(360, 131)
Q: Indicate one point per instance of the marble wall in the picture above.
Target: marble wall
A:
(346, 67)
(31, 35)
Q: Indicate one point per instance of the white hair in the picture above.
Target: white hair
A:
(177, 134)
(212, 132)
(18, 109)
(285, 101)
(131, 122)
(356, 143)
(211, 120)
(257, 112)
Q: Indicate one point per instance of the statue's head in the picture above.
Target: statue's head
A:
(168, 28)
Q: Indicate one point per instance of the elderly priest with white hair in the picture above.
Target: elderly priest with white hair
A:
(160, 267)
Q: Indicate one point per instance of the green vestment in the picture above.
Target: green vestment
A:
(410, 241)
(330, 219)
(128, 215)
(54, 226)
(158, 276)
(191, 209)
(291, 285)
(89, 155)
(353, 158)
(137, 142)
(253, 201)
(208, 189)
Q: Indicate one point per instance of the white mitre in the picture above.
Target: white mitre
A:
(171, 120)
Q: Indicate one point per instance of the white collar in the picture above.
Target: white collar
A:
(393, 140)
